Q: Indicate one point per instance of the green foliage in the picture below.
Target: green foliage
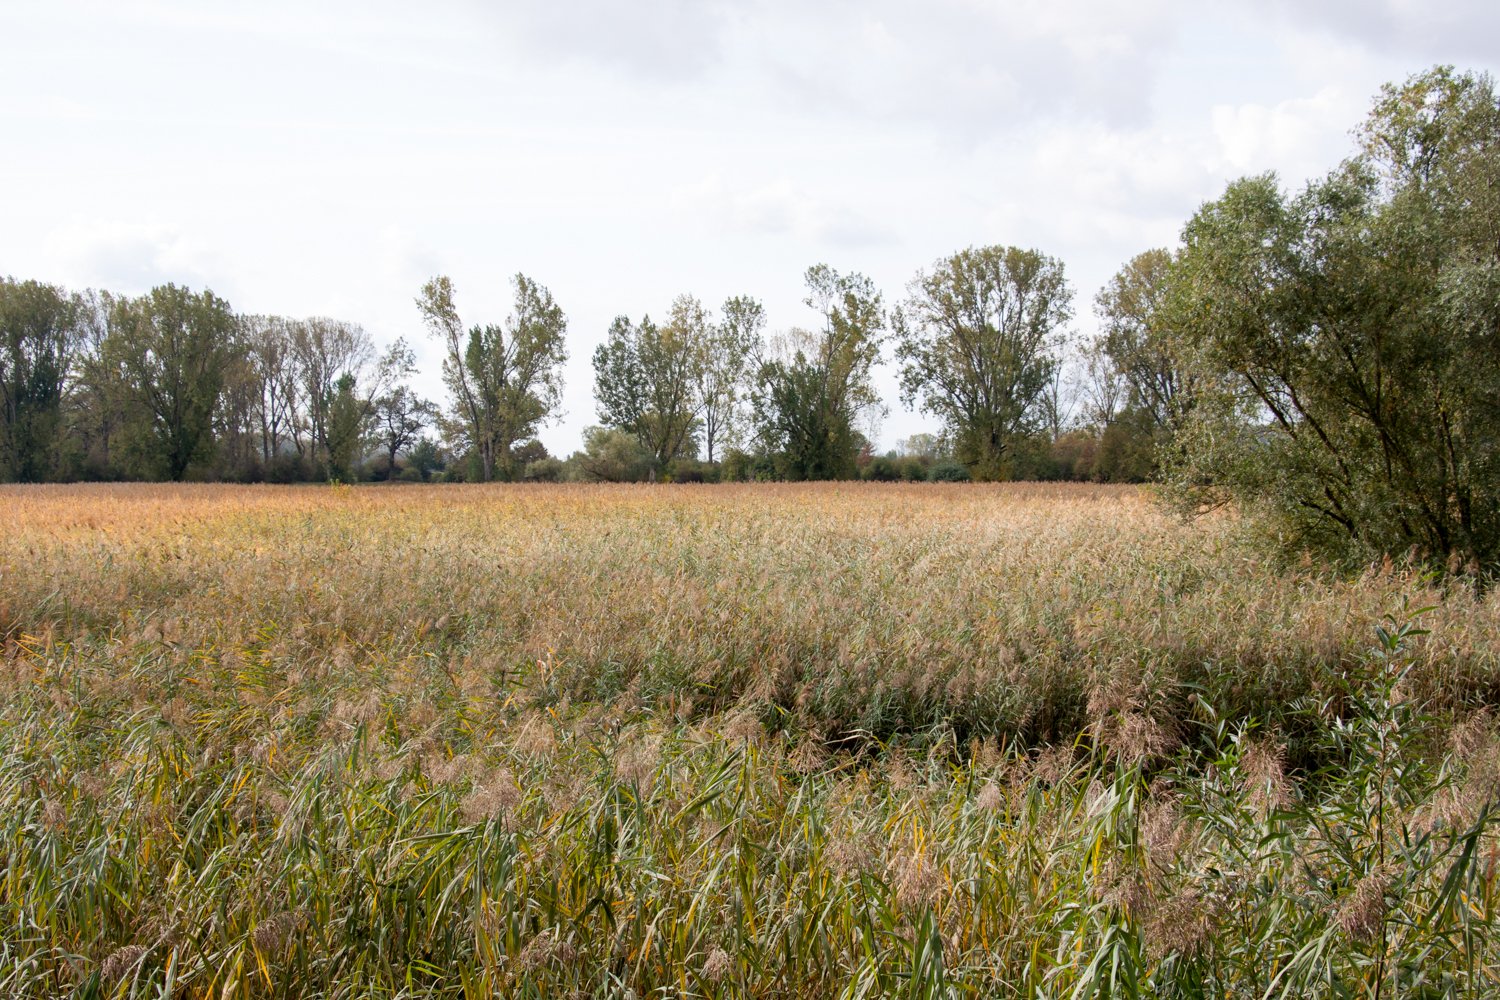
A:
(948, 472)
(1138, 340)
(399, 417)
(881, 470)
(505, 380)
(174, 348)
(614, 456)
(39, 334)
(345, 430)
(807, 398)
(545, 470)
(743, 467)
(645, 376)
(976, 342)
(728, 348)
(424, 459)
(912, 469)
(1347, 339)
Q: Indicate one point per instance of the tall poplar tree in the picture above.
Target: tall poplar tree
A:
(505, 380)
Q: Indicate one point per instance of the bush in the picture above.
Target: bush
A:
(743, 467)
(948, 472)
(285, 469)
(424, 459)
(612, 456)
(912, 470)
(881, 470)
(737, 467)
(544, 470)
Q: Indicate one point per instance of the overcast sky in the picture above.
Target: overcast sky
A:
(319, 158)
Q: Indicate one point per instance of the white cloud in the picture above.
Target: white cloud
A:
(1453, 30)
(1303, 136)
(776, 209)
(124, 256)
(969, 66)
(656, 39)
(405, 258)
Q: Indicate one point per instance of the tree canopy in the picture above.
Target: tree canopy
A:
(1348, 338)
(976, 338)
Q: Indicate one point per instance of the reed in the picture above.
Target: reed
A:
(837, 740)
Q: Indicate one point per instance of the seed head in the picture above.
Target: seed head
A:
(55, 815)
(272, 933)
(544, 950)
(1363, 911)
(1263, 776)
(989, 798)
(499, 795)
(919, 880)
(717, 966)
(852, 855)
(636, 763)
(123, 961)
(1180, 926)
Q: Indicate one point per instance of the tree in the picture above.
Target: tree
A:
(614, 456)
(324, 352)
(174, 347)
(98, 408)
(269, 349)
(808, 396)
(39, 328)
(424, 459)
(1348, 338)
(1137, 340)
(346, 416)
(400, 415)
(726, 353)
(505, 380)
(645, 378)
(976, 338)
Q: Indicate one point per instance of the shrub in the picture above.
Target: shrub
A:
(286, 469)
(612, 456)
(881, 470)
(948, 472)
(544, 470)
(737, 467)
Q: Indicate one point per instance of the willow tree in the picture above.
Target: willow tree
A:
(976, 340)
(1349, 338)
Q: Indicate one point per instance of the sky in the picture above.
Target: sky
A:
(327, 158)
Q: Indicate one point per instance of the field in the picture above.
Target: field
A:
(830, 740)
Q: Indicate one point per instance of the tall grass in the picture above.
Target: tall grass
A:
(825, 741)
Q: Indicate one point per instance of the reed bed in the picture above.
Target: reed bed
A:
(836, 740)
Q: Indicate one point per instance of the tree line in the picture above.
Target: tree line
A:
(1326, 360)
(174, 384)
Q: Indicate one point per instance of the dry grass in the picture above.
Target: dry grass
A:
(995, 610)
(735, 740)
